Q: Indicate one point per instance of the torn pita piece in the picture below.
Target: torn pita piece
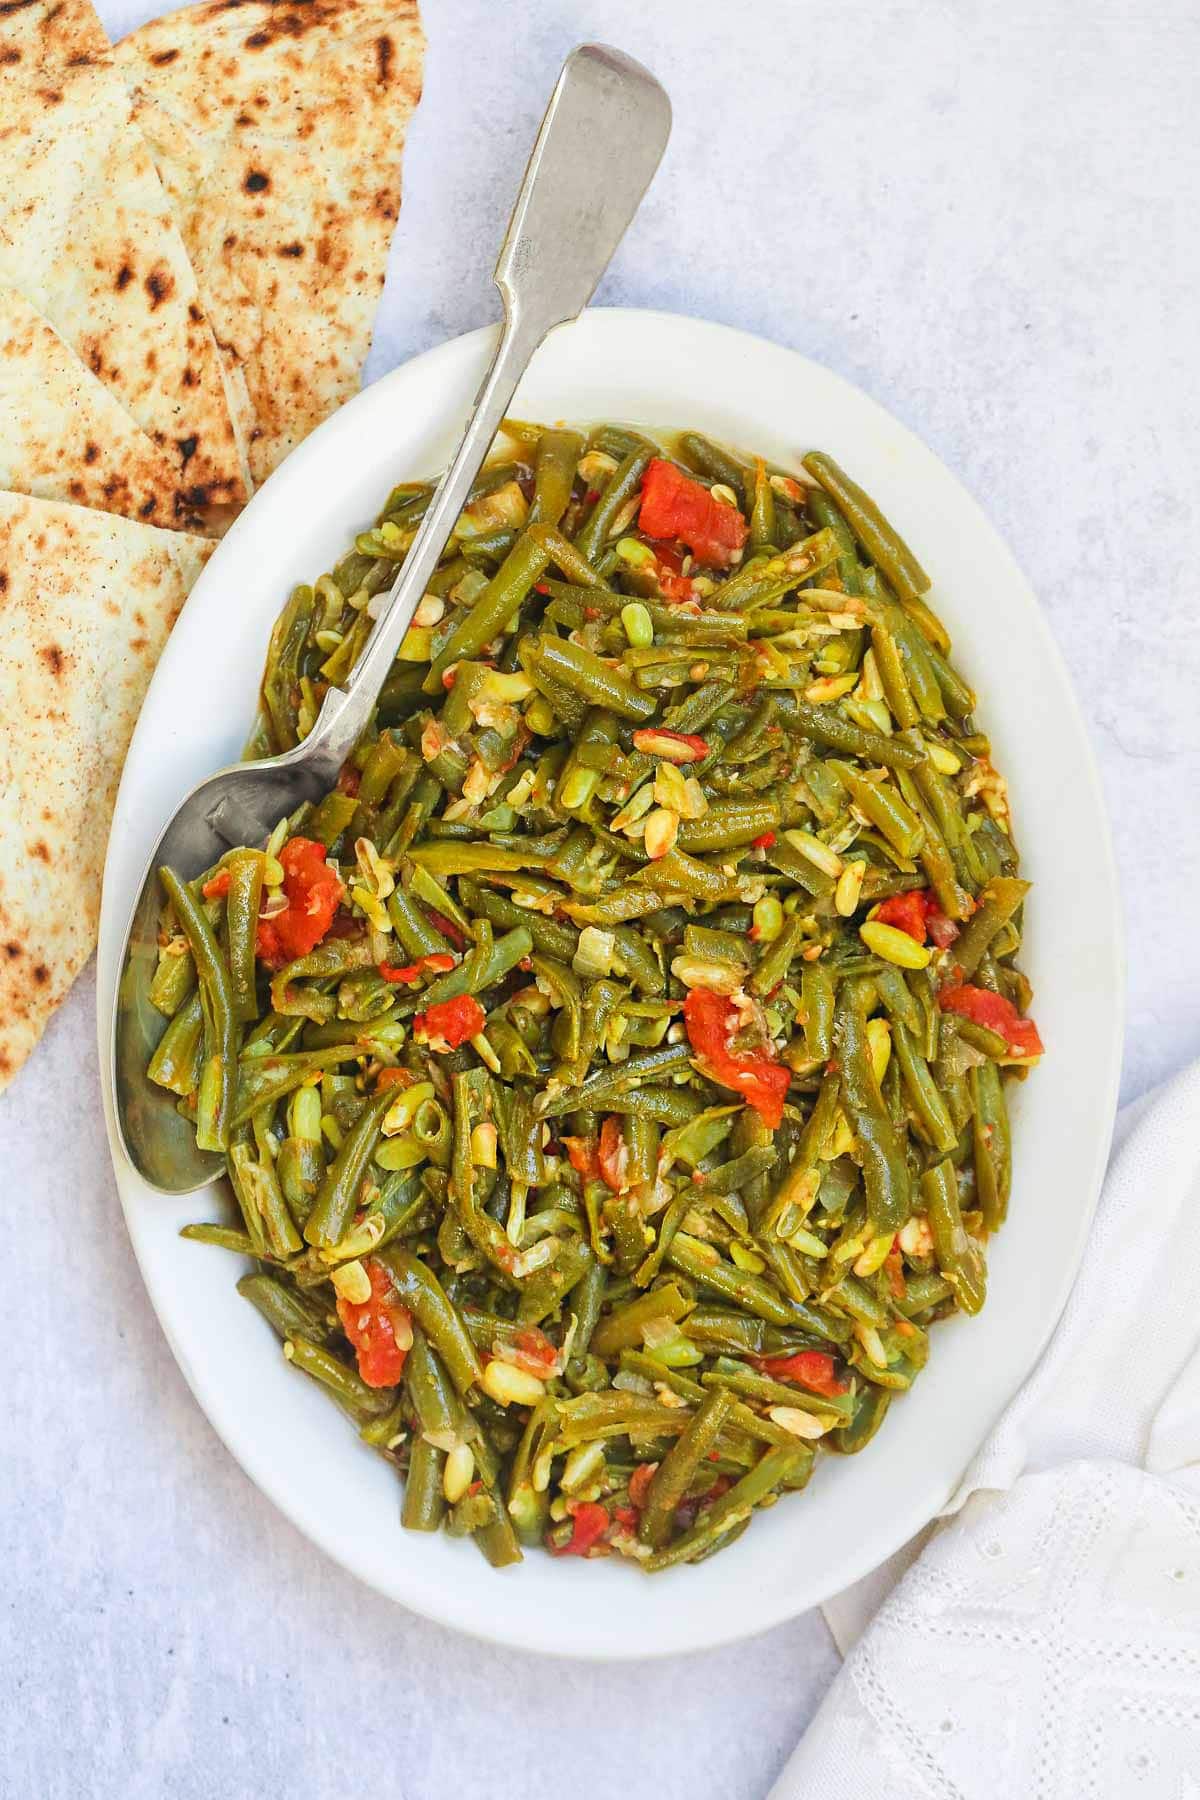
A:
(88, 240)
(65, 436)
(278, 128)
(86, 602)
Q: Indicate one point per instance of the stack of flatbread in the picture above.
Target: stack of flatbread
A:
(194, 230)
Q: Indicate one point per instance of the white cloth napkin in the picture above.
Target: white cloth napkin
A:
(1045, 1640)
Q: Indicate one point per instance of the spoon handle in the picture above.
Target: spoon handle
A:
(565, 226)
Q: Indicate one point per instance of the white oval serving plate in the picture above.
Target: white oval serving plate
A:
(657, 370)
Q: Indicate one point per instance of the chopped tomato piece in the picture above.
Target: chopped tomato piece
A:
(218, 887)
(438, 962)
(448, 928)
(765, 842)
(904, 912)
(919, 914)
(590, 1521)
(671, 746)
(675, 588)
(614, 1157)
(583, 1158)
(711, 1021)
(639, 1483)
(401, 1078)
(626, 1516)
(535, 1351)
(995, 1013)
(380, 1329)
(893, 1264)
(675, 506)
(313, 894)
(449, 1023)
(812, 1369)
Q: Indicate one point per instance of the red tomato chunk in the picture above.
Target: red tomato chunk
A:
(711, 1020)
(812, 1369)
(380, 1329)
(994, 1013)
(313, 892)
(674, 506)
(449, 1023)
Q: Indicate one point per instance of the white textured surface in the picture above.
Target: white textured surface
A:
(985, 217)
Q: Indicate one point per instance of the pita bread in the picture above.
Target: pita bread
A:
(86, 237)
(66, 436)
(278, 128)
(86, 602)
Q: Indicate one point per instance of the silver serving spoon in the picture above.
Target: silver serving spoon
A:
(602, 138)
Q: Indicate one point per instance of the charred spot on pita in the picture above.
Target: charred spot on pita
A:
(187, 447)
(91, 452)
(124, 277)
(54, 657)
(12, 950)
(292, 249)
(256, 182)
(161, 58)
(384, 51)
(160, 285)
(41, 850)
(41, 973)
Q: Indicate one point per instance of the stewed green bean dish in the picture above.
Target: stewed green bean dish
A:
(611, 1069)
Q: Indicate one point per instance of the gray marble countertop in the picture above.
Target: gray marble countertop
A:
(985, 217)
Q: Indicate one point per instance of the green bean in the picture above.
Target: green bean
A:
(718, 464)
(483, 969)
(762, 510)
(960, 701)
(825, 725)
(998, 901)
(583, 673)
(871, 1408)
(675, 1472)
(222, 1237)
(728, 823)
(922, 1090)
(882, 543)
(424, 1502)
(174, 978)
(339, 1192)
(218, 1077)
(777, 958)
(957, 1256)
(770, 1472)
(348, 1389)
(179, 1057)
(499, 603)
(624, 482)
(419, 1289)
(885, 1174)
(993, 1152)
(554, 474)
(695, 1260)
(883, 806)
(825, 515)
